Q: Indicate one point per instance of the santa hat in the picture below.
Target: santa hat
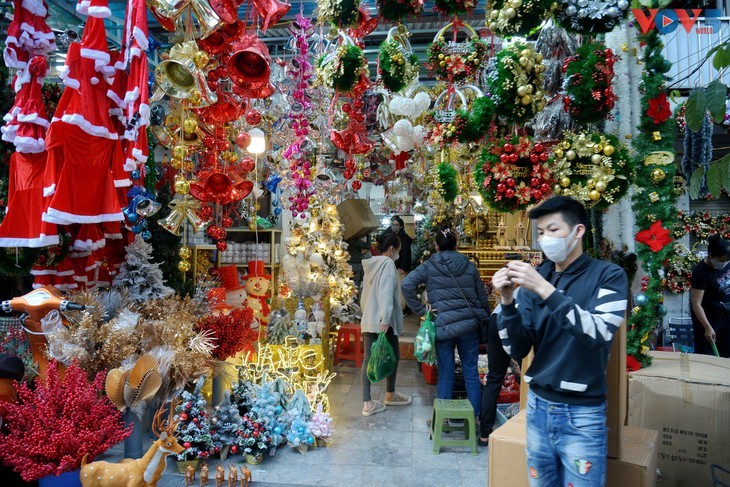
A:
(94, 46)
(94, 8)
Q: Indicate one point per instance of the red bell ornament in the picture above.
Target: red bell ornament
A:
(253, 117)
(270, 11)
(250, 61)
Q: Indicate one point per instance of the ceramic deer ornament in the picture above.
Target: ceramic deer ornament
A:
(143, 472)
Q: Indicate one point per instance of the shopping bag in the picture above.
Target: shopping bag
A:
(382, 359)
(424, 348)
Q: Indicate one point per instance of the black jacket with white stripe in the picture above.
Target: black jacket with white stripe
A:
(571, 330)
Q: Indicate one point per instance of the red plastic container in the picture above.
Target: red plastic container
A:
(430, 373)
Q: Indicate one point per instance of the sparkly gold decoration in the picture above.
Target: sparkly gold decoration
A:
(653, 197)
(183, 265)
(656, 136)
(179, 152)
(182, 186)
(658, 175)
(201, 59)
(659, 158)
(600, 186)
(190, 125)
(184, 252)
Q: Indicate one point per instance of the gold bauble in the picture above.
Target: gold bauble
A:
(557, 189)
(524, 61)
(190, 125)
(526, 100)
(571, 155)
(179, 152)
(530, 89)
(565, 181)
(441, 56)
(195, 97)
(187, 165)
(591, 183)
(182, 186)
(521, 90)
(559, 153)
(609, 150)
(183, 265)
(538, 57)
(601, 186)
(596, 159)
(526, 53)
(597, 148)
(594, 195)
(565, 145)
(516, 3)
(510, 13)
(201, 59)
(539, 94)
(184, 252)
(442, 63)
(175, 163)
(658, 175)
(567, 192)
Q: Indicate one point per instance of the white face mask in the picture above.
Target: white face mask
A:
(718, 264)
(395, 256)
(557, 249)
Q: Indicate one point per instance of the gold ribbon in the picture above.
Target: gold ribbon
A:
(182, 209)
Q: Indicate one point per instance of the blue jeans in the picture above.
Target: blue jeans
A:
(566, 444)
(468, 346)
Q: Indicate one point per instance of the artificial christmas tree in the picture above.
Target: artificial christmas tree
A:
(267, 407)
(297, 417)
(256, 440)
(242, 393)
(140, 275)
(320, 427)
(226, 428)
(279, 328)
(193, 430)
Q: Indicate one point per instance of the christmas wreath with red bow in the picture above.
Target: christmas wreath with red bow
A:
(589, 97)
(514, 173)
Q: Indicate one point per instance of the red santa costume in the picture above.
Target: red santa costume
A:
(28, 33)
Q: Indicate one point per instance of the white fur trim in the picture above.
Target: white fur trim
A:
(122, 183)
(130, 164)
(53, 215)
(141, 37)
(41, 241)
(29, 145)
(94, 80)
(49, 190)
(33, 118)
(100, 12)
(86, 126)
(139, 155)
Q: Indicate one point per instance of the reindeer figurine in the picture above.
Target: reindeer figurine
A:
(220, 476)
(203, 475)
(143, 472)
(232, 476)
(189, 475)
(245, 476)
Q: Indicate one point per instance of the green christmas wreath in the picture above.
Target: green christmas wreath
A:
(457, 62)
(396, 10)
(398, 67)
(342, 71)
(517, 17)
(589, 97)
(516, 83)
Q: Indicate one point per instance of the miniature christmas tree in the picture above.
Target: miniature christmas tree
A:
(140, 275)
(297, 419)
(193, 431)
(242, 393)
(267, 407)
(319, 426)
(256, 440)
(279, 328)
(226, 428)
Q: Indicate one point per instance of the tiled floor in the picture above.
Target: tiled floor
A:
(391, 448)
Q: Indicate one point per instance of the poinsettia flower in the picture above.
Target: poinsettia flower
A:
(659, 108)
(632, 364)
(656, 237)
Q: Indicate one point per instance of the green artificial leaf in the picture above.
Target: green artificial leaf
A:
(725, 172)
(695, 183)
(696, 109)
(715, 178)
(673, 95)
(716, 96)
(722, 57)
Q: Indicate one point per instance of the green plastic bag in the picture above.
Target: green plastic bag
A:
(382, 359)
(424, 348)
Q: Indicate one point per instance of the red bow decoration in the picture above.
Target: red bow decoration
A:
(656, 237)
(220, 187)
(659, 108)
(632, 364)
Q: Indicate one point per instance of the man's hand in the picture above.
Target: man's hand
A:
(710, 334)
(384, 327)
(527, 276)
(504, 285)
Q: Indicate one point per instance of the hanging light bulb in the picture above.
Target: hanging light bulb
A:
(258, 141)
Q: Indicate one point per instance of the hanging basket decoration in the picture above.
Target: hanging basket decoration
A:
(396, 10)
(514, 173)
(342, 69)
(517, 17)
(454, 7)
(593, 168)
(589, 97)
(590, 17)
(456, 62)
(398, 65)
(470, 125)
(516, 83)
(447, 119)
(339, 13)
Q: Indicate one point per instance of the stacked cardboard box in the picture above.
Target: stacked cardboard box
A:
(357, 218)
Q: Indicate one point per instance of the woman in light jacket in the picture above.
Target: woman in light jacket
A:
(381, 311)
(459, 301)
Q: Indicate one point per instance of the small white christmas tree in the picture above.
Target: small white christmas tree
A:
(193, 430)
(140, 275)
(226, 428)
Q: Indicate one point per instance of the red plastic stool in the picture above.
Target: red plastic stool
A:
(345, 350)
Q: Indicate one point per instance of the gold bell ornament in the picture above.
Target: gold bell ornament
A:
(182, 209)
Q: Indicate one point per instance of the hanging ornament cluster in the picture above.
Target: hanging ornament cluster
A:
(456, 62)
(592, 167)
(338, 13)
(397, 10)
(517, 17)
(516, 83)
(472, 123)
(589, 97)
(342, 69)
(449, 113)
(591, 17)
(514, 173)
(142, 204)
(398, 65)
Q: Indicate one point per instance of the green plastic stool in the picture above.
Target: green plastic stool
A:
(445, 409)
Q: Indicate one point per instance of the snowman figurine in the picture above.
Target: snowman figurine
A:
(318, 314)
(257, 291)
(300, 321)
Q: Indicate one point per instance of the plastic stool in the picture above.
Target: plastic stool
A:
(344, 351)
(445, 409)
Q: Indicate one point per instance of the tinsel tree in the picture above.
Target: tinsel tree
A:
(654, 202)
(140, 275)
(267, 408)
(298, 415)
(225, 428)
(193, 430)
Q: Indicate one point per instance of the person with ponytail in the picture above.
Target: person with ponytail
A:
(710, 299)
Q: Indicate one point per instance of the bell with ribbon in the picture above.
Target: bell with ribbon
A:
(179, 76)
(169, 12)
(182, 209)
(220, 40)
(213, 186)
(270, 11)
(225, 110)
(250, 61)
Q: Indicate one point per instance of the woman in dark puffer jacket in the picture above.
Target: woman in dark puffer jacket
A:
(458, 299)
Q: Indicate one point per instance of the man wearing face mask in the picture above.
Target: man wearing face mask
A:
(569, 310)
(710, 299)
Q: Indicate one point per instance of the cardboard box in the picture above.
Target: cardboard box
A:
(508, 462)
(357, 218)
(617, 391)
(686, 398)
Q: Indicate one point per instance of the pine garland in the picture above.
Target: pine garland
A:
(653, 202)
(589, 97)
(449, 187)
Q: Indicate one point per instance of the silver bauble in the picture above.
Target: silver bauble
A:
(612, 12)
(570, 10)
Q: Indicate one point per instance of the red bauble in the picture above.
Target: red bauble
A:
(184, 417)
(243, 140)
(223, 144)
(504, 158)
(501, 188)
(539, 148)
(508, 148)
(221, 245)
(234, 449)
(349, 164)
(253, 117)
(205, 212)
(227, 222)
(534, 182)
(187, 444)
(349, 173)
(358, 104)
(248, 164)
(544, 157)
(537, 194)
(356, 185)
(208, 141)
(534, 158)
(346, 107)
(255, 434)
(545, 188)
(510, 193)
(513, 158)
(217, 449)
(212, 229)
(510, 182)
(196, 420)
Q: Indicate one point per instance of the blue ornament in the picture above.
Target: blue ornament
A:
(277, 430)
(641, 300)
(661, 310)
(272, 182)
(310, 440)
(139, 228)
(146, 235)
(136, 174)
(277, 211)
(301, 430)
(278, 410)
